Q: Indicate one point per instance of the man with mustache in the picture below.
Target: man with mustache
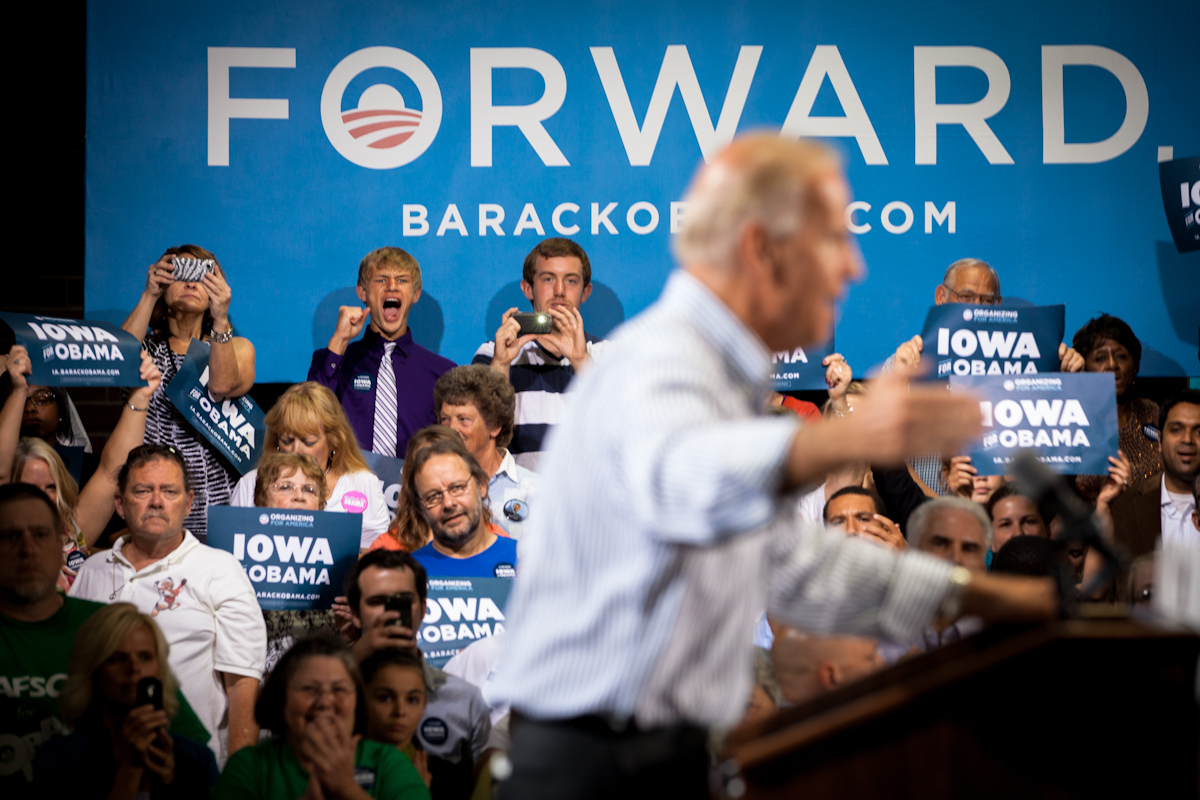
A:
(449, 487)
(201, 597)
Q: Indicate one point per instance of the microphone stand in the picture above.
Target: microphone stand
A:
(1046, 488)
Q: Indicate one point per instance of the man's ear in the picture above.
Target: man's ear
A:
(119, 505)
(940, 295)
(527, 290)
(483, 490)
(362, 294)
(754, 250)
(421, 609)
(416, 296)
(829, 676)
(587, 292)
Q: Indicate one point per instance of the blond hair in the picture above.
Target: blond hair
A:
(67, 490)
(95, 642)
(310, 409)
(388, 258)
(761, 178)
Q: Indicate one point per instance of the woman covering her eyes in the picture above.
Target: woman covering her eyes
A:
(170, 315)
(314, 704)
(307, 419)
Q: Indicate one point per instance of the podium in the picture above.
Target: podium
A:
(1078, 708)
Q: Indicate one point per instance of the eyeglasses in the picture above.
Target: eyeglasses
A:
(42, 398)
(287, 487)
(973, 298)
(434, 499)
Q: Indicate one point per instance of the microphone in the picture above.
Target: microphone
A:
(1048, 490)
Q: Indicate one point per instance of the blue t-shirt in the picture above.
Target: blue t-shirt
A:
(498, 561)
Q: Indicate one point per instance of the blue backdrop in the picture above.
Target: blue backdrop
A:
(171, 158)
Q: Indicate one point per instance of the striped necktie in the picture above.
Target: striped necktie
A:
(383, 441)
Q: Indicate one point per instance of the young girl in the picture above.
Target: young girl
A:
(395, 682)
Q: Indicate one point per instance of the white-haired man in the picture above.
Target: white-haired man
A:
(663, 531)
(956, 530)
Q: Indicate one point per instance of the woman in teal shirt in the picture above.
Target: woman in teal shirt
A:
(314, 704)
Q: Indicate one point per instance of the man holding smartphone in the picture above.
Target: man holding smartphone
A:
(557, 280)
(455, 727)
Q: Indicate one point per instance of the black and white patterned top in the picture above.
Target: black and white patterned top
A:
(212, 478)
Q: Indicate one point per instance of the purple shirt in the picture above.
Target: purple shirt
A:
(352, 378)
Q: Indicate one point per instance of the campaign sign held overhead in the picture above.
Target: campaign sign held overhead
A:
(296, 559)
(1180, 180)
(963, 339)
(74, 352)
(458, 612)
(1069, 420)
(800, 369)
(235, 426)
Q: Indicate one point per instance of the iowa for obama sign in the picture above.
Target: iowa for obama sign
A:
(992, 340)
(296, 559)
(1068, 419)
(73, 352)
(235, 426)
(800, 369)
(460, 611)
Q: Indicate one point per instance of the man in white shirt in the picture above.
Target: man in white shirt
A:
(479, 404)
(199, 596)
(666, 523)
(1161, 506)
(957, 530)
(1180, 443)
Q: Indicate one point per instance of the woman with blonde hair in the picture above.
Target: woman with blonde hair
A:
(169, 315)
(308, 419)
(86, 512)
(120, 747)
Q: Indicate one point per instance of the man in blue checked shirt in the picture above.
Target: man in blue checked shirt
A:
(664, 527)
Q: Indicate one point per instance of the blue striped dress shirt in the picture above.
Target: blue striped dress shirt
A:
(662, 535)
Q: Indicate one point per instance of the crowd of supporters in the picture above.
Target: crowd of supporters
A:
(340, 702)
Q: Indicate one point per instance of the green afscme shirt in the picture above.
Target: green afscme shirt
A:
(33, 669)
(271, 771)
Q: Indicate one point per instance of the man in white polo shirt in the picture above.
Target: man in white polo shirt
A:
(199, 596)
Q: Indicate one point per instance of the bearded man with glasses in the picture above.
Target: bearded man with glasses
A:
(449, 488)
